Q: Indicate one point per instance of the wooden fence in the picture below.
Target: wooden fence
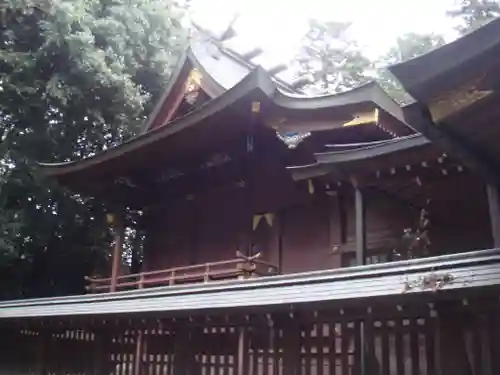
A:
(459, 337)
(240, 267)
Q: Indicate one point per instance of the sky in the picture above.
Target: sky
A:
(278, 25)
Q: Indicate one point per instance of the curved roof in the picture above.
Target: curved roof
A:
(457, 90)
(255, 86)
(468, 55)
(222, 69)
(233, 85)
(368, 152)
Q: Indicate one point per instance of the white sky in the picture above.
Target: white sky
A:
(278, 25)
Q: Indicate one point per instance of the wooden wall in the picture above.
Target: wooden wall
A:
(303, 235)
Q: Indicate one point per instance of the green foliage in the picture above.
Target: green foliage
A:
(473, 14)
(76, 77)
(333, 62)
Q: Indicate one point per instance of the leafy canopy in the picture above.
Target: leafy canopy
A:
(333, 62)
(472, 14)
(76, 77)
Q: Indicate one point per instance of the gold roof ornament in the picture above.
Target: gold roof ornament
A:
(364, 118)
(193, 84)
(110, 219)
(193, 81)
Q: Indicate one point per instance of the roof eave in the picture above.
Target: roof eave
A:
(257, 80)
(419, 74)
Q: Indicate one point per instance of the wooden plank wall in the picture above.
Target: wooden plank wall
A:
(401, 341)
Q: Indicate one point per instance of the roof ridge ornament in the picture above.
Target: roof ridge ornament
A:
(292, 139)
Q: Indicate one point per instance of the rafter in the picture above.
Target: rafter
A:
(453, 143)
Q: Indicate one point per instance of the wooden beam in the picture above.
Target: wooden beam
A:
(494, 209)
(119, 234)
(453, 143)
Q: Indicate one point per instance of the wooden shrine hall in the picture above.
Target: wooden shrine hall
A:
(288, 234)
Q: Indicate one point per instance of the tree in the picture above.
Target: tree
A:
(76, 77)
(472, 14)
(406, 47)
(333, 62)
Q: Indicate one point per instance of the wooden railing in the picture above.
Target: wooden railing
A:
(240, 267)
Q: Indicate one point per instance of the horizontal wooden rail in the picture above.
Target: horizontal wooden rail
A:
(240, 267)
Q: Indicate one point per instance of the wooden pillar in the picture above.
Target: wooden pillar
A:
(183, 355)
(249, 174)
(102, 363)
(43, 354)
(360, 209)
(281, 232)
(119, 234)
(494, 208)
(291, 345)
(368, 364)
(335, 228)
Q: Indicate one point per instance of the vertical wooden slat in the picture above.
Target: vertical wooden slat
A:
(344, 347)
(215, 352)
(170, 357)
(127, 354)
(320, 333)
(118, 349)
(477, 357)
(371, 365)
(153, 358)
(414, 347)
(398, 346)
(278, 362)
(255, 349)
(494, 210)
(139, 343)
(224, 360)
(357, 348)
(430, 347)
(291, 346)
(307, 346)
(333, 347)
(121, 358)
(242, 352)
(385, 347)
(493, 339)
(266, 350)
